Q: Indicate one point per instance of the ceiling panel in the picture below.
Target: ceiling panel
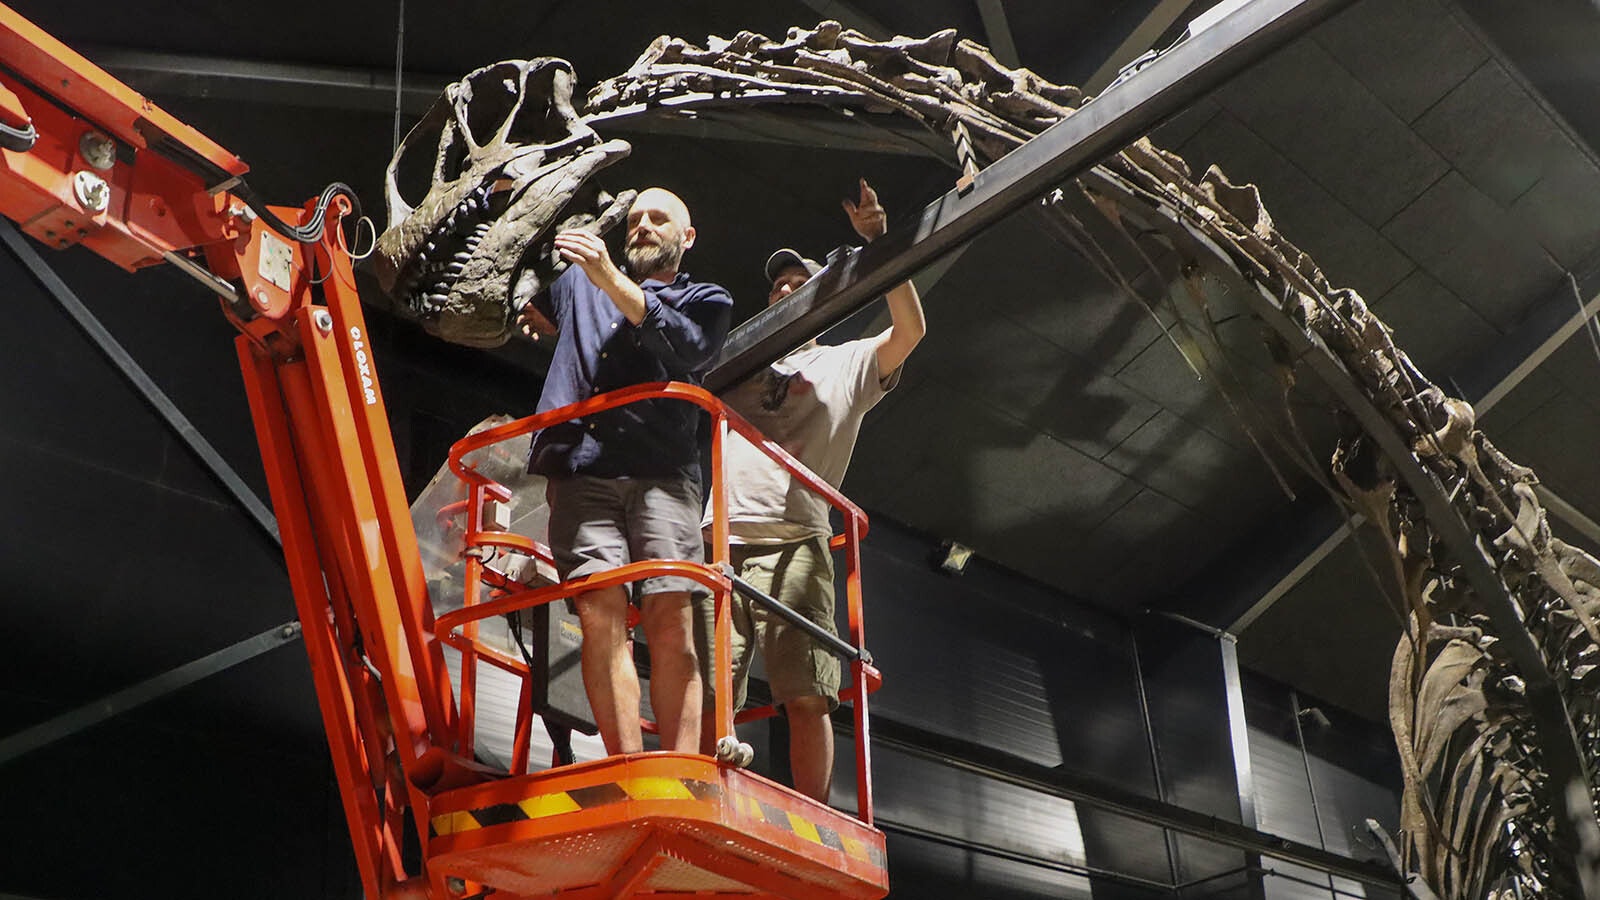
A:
(1019, 271)
(1160, 371)
(1562, 209)
(1492, 132)
(1187, 464)
(1465, 241)
(971, 471)
(1332, 636)
(1152, 545)
(1306, 104)
(1409, 53)
(1539, 388)
(1351, 252)
(1439, 332)
(1039, 385)
(1575, 364)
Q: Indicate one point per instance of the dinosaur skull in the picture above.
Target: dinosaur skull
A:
(510, 165)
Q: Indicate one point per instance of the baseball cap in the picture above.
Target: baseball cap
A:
(785, 258)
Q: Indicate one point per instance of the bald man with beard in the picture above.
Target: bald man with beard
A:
(624, 484)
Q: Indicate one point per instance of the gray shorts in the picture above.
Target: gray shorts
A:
(598, 524)
(800, 576)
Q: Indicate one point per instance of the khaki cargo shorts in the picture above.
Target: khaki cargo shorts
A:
(799, 575)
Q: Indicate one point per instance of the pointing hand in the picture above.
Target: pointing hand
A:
(866, 215)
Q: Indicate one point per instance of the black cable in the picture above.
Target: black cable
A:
(560, 735)
(311, 232)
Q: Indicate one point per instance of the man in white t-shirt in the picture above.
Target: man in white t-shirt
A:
(811, 402)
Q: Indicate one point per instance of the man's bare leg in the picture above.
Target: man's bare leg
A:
(609, 677)
(675, 692)
(810, 746)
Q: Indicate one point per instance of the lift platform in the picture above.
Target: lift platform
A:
(652, 823)
(647, 823)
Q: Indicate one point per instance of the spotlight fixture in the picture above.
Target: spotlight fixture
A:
(953, 557)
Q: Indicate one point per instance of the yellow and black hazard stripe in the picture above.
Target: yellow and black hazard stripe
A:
(814, 832)
(556, 803)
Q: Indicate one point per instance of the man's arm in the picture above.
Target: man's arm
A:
(686, 339)
(907, 325)
(905, 330)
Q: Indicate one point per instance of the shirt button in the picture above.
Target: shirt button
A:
(613, 324)
(591, 426)
(604, 355)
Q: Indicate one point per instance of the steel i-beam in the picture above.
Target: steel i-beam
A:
(1096, 130)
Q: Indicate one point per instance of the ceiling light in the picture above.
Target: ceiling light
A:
(953, 557)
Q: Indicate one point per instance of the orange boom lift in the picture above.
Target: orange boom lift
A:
(86, 160)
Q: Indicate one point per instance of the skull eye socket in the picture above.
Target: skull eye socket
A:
(414, 165)
(539, 112)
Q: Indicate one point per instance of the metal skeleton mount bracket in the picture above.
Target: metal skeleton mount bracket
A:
(509, 164)
(1493, 697)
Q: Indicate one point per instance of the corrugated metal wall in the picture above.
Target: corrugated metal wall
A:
(993, 659)
(1319, 775)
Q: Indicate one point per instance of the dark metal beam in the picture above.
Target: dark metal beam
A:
(290, 84)
(997, 28)
(92, 714)
(1098, 129)
(28, 255)
(329, 87)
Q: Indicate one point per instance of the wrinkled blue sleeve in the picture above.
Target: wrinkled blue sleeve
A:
(688, 338)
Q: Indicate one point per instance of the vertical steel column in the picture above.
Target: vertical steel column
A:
(1239, 737)
(1154, 749)
(1197, 709)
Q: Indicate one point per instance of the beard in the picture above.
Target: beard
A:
(645, 260)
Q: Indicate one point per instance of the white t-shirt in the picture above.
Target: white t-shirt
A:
(811, 402)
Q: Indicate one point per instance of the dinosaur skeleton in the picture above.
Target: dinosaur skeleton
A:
(1493, 689)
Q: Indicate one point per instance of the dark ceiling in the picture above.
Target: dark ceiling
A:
(1436, 156)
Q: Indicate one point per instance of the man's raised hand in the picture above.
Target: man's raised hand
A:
(866, 215)
(588, 252)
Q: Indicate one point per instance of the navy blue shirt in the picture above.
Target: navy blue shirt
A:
(599, 350)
